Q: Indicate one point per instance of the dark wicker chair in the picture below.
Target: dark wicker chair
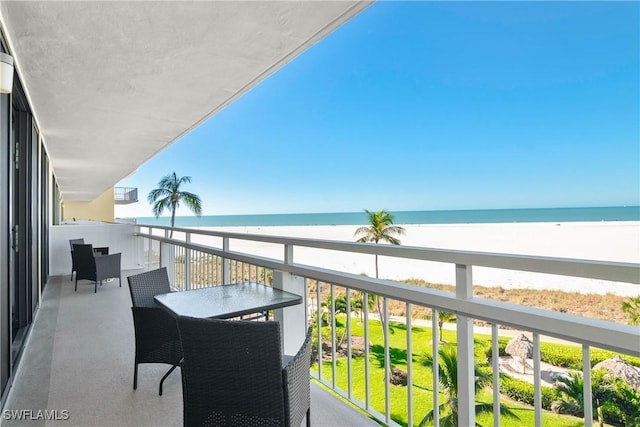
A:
(156, 331)
(95, 268)
(73, 259)
(233, 375)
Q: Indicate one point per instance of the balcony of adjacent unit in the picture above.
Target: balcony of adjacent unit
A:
(377, 358)
(125, 195)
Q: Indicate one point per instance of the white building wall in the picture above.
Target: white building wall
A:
(118, 237)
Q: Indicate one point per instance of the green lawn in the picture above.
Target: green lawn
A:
(422, 377)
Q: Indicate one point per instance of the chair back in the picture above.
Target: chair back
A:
(145, 286)
(73, 258)
(84, 262)
(231, 372)
(75, 242)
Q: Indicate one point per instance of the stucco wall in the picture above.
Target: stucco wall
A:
(118, 237)
(100, 209)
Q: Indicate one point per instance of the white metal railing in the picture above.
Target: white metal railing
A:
(180, 253)
(125, 195)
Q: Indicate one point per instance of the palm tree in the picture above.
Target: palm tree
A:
(572, 391)
(381, 229)
(169, 196)
(448, 378)
(358, 304)
(444, 316)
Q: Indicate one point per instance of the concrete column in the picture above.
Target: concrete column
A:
(293, 320)
(167, 259)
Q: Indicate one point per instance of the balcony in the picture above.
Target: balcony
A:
(80, 353)
(125, 195)
(79, 359)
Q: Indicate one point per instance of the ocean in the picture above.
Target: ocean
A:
(475, 216)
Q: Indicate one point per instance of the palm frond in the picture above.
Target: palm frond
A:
(157, 193)
(446, 420)
(487, 408)
(168, 182)
(184, 180)
(381, 228)
(192, 201)
(160, 205)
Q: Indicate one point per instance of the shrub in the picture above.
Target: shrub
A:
(522, 391)
(502, 344)
(631, 307)
(561, 355)
(568, 356)
(518, 390)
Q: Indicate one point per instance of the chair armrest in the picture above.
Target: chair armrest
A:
(108, 266)
(297, 388)
(156, 334)
(290, 361)
(156, 318)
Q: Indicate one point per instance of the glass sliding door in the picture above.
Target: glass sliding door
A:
(6, 171)
(21, 201)
(45, 201)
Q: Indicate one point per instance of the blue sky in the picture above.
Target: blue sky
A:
(430, 106)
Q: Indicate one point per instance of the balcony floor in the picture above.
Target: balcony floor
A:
(79, 358)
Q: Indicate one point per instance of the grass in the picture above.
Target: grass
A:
(422, 388)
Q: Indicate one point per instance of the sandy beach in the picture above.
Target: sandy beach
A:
(604, 241)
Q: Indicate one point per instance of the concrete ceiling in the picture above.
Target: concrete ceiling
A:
(113, 83)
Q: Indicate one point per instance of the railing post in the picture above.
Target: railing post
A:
(387, 360)
(226, 263)
(187, 263)
(367, 367)
(495, 363)
(586, 385)
(436, 364)
(537, 381)
(466, 362)
(168, 259)
(293, 320)
(409, 317)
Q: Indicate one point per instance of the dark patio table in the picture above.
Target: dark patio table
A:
(227, 301)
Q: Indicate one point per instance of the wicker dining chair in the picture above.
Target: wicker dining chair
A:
(95, 268)
(233, 374)
(156, 332)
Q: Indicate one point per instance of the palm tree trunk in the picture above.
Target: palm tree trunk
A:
(381, 315)
(600, 416)
(383, 321)
(173, 219)
(376, 266)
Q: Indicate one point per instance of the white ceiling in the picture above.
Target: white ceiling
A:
(113, 83)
